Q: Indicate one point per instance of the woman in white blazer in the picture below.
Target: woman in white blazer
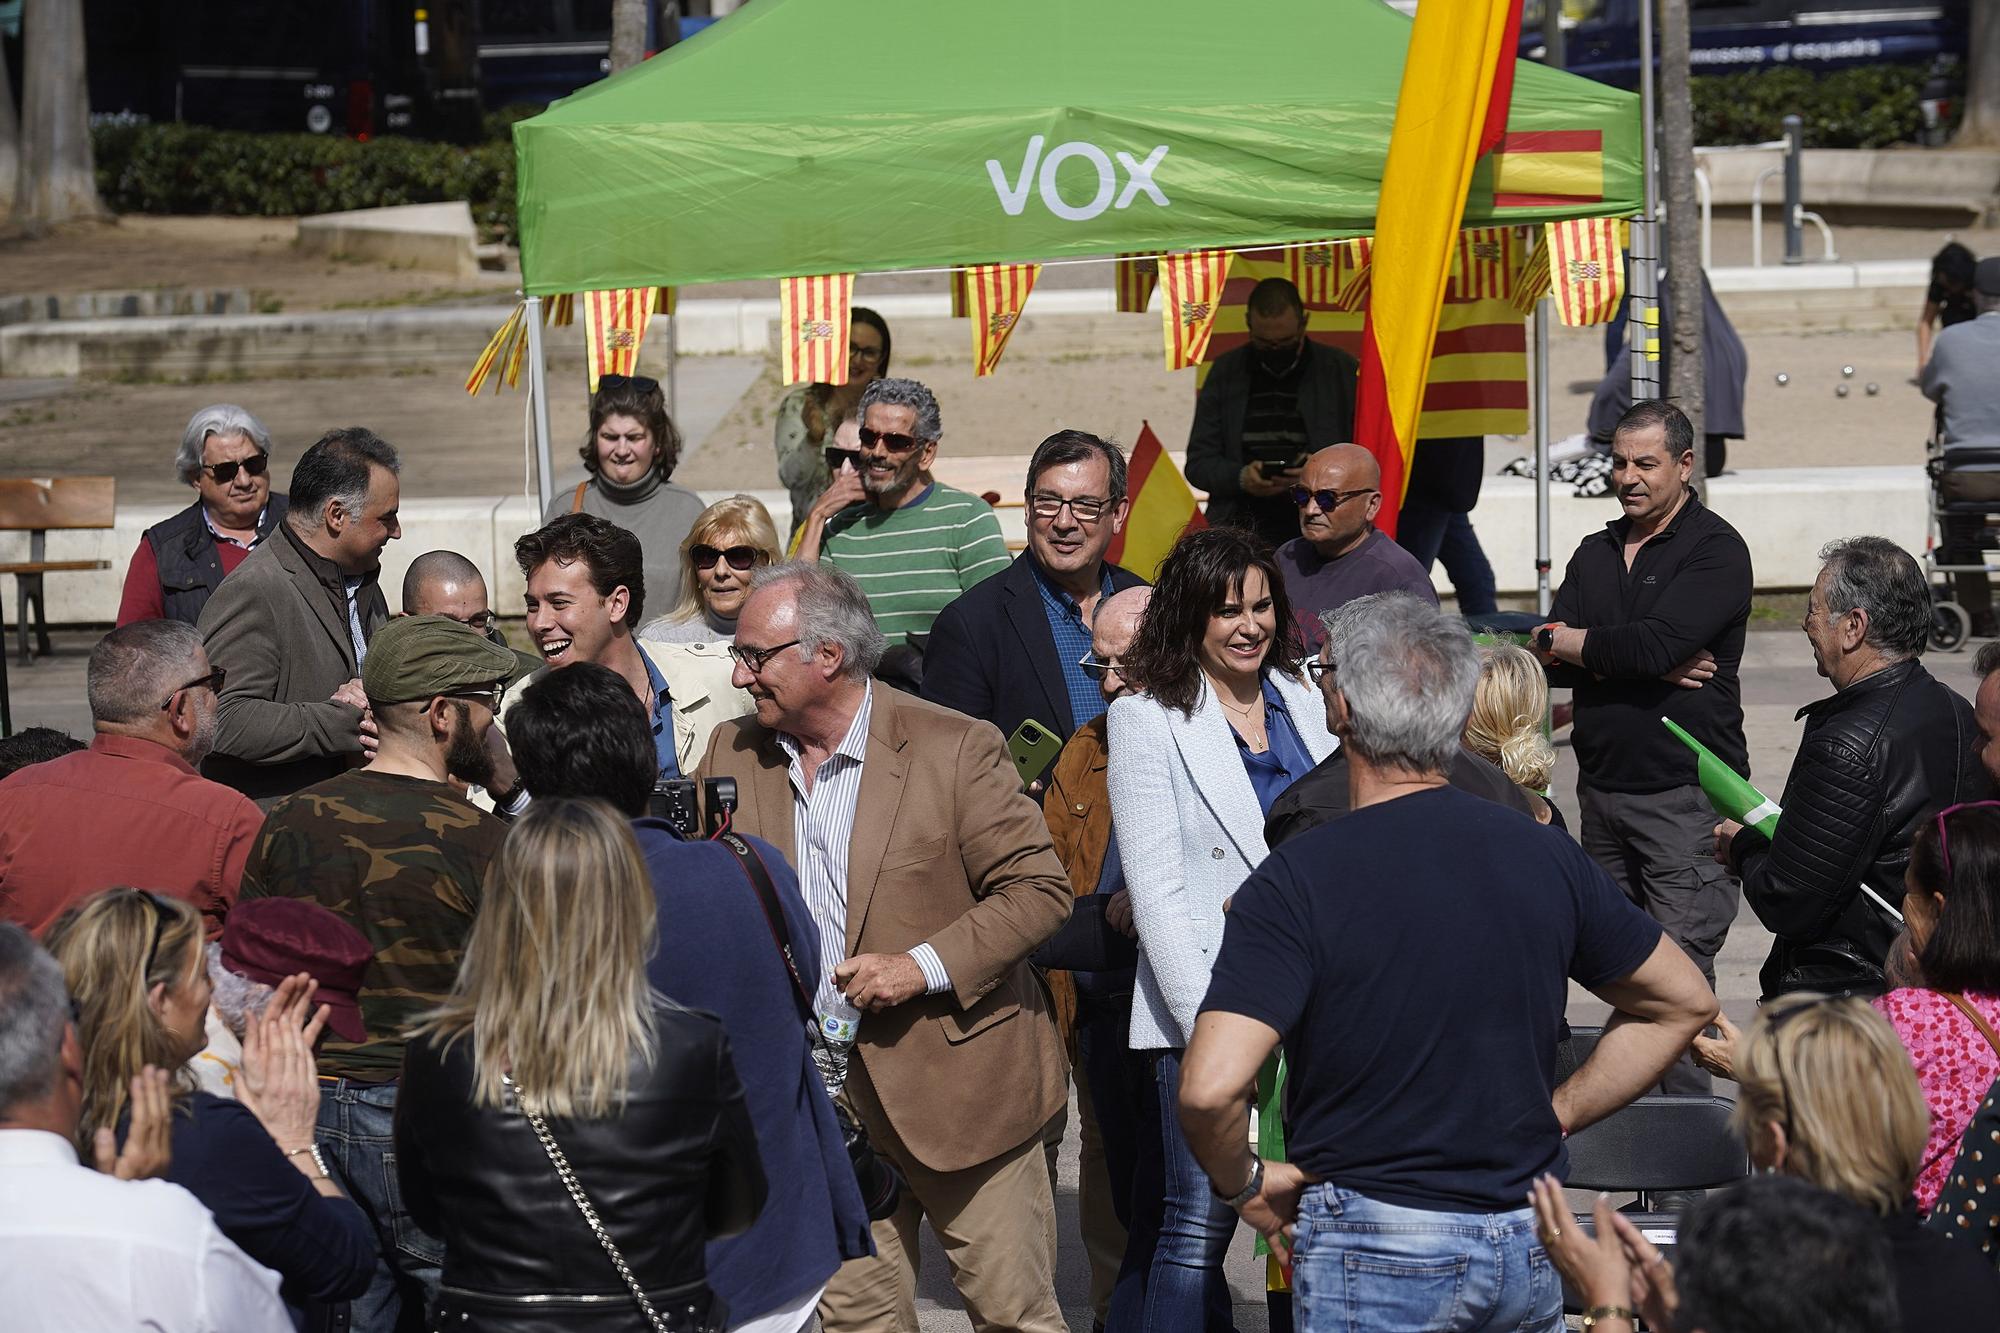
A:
(1225, 724)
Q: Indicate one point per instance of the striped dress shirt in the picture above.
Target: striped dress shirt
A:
(823, 831)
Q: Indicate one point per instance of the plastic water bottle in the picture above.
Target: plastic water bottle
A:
(839, 1024)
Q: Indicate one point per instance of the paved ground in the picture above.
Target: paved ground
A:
(1778, 677)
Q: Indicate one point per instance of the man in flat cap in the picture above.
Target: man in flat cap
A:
(396, 852)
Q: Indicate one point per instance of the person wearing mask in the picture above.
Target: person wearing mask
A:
(730, 539)
(225, 455)
(1225, 725)
(553, 1077)
(138, 972)
(630, 453)
(809, 415)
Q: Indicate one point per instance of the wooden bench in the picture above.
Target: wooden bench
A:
(35, 507)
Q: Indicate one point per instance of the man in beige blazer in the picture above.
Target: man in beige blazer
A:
(930, 878)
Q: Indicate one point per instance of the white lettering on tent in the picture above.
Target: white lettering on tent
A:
(1015, 198)
(1139, 180)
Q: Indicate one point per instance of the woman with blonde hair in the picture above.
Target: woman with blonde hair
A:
(729, 540)
(1505, 726)
(138, 973)
(574, 1136)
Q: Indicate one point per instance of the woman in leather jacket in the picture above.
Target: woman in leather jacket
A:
(552, 1020)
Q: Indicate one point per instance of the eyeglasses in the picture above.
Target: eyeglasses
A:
(162, 916)
(224, 473)
(481, 621)
(1328, 501)
(754, 660)
(1097, 668)
(739, 557)
(1944, 843)
(894, 442)
(213, 680)
(857, 352)
(835, 456)
(642, 383)
(1086, 509)
(1317, 671)
(1771, 1031)
(490, 696)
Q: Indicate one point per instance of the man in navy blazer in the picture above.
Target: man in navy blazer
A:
(1012, 647)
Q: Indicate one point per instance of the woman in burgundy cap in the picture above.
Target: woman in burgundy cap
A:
(265, 940)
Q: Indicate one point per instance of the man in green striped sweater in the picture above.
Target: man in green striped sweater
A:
(913, 544)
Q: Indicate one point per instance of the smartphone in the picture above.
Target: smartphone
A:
(1272, 470)
(1033, 747)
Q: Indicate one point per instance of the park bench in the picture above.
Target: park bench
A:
(36, 506)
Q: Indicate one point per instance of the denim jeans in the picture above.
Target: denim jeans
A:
(357, 1133)
(1359, 1266)
(1430, 533)
(1171, 1281)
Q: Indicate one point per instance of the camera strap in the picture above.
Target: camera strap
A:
(774, 916)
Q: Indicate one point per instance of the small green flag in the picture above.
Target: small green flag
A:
(1729, 791)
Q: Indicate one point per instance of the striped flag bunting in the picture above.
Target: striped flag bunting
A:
(559, 311)
(1316, 271)
(1587, 268)
(1533, 284)
(1162, 509)
(664, 301)
(1488, 258)
(961, 300)
(996, 293)
(503, 352)
(614, 325)
(1356, 266)
(1190, 288)
(812, 328)
(1134, 277)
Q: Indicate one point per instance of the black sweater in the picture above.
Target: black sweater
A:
(1688, 589)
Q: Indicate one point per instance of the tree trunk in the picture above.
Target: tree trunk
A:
(1981, 126)
(57, 181)
(10, 140)
(628, 33)
(1684, 298)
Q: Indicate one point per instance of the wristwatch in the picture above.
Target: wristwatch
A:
(1249, 1191)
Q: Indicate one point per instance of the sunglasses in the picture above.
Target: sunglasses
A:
(739, 557)
(162, 914)
(1944, 841)
(213, 680)
(1097, 668)
(642, 383)
(1771, 1030)
(224, 473)
(895, 443)
(1328, 501)
(835, 456)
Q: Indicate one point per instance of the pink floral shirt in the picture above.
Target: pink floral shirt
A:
(1955, 1066)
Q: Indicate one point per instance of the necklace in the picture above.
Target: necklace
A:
(1243, 711)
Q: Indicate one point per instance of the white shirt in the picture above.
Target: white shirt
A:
(88, 1253)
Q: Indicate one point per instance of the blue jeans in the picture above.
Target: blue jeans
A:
(1359, 1266)
(1171, 1280)
(357, 1133)
(1431, 534)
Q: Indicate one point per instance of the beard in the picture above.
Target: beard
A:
(203, 741)
(466, 758)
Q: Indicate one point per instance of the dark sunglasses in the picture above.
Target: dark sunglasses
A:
(642, 383)
(1328, 501)
(835, 456)
(1097, 668)
(739, 557)
(224, 473)
(895, 443)
(213, 680)
(162, 914)
(1771, 1030)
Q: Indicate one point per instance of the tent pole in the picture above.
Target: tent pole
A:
(538, 395)
(673, 368)
(1643, 328)
(1542, 596)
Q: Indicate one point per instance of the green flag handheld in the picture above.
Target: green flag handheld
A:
(1727, 790)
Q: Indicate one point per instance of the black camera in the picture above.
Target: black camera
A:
(674, 800)
(881, 1186)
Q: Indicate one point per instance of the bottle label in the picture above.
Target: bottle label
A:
(835, 1028)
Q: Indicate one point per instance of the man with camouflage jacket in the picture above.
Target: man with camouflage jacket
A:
(396, 852)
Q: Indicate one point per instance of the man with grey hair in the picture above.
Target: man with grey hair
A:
(1963, 379)
(104, 1248)
(292, 624)
(131, 809)
(913, 543)
(930, 878)
(225, 455)
(1375, 950)
(1885, 752)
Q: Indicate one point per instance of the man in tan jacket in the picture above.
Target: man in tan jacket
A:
(931, 879)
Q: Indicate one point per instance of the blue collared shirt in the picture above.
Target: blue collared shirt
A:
(1285, 759)
(1072, 636)
(663, 721)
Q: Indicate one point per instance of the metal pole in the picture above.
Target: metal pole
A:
(673, 368)
(538, 396)
(1643, 311)
(1542, 593)
(1795, 248)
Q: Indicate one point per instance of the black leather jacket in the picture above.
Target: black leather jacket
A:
(1877, 758)
(677, 1167)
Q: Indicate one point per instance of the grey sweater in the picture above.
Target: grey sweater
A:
(659, 513)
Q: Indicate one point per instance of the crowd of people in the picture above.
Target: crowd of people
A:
(364, 971)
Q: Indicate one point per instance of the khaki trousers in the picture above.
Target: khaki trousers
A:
(996, 1222)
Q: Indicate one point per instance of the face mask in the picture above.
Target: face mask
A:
(1281, 362)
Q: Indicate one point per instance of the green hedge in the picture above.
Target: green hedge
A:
(1870, 106)
(189, 169)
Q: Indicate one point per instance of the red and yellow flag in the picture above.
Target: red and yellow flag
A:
(614, 325)
(664, 300)
(1163, 508)
(1452, 108)
(1191, 287)
(502, 352)
(1134, 277)
(996, 293)
(559, 311)
(1356, 260)
(1587, 267)
(1548, 169)
(1316, 270)
(1488, 258)
(1533, 284)
(961, 295)
(812, 328)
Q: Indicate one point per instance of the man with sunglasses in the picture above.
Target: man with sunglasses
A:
(225, 455)
(1340, 554)
(914, 544)
(131, 809)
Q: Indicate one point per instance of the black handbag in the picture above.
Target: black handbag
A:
(881, 1185)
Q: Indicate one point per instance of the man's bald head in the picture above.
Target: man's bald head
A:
(1112, 631)
(445, 583)
(1343, 467)
(1345, 490)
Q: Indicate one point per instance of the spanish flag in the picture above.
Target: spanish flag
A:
(1134, 277)
(1163, 508)
(614, 325)
(1587, 265)
(1452, 108)
(502, 352)
(996, 292)
(1191, 287)
(1356, 258)
(1549, 169)
(812, 328)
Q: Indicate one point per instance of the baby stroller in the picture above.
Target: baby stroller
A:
(1965, 497)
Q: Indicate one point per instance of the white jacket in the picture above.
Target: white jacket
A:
(1190, 831)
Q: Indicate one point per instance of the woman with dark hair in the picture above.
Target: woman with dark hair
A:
(1951, 909)
(1949, 300)
(630, 453)
(809, 415)
(1225, 725)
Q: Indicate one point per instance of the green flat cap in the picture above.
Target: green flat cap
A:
(420, 657)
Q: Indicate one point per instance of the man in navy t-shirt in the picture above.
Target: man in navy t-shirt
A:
(1413, 960)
